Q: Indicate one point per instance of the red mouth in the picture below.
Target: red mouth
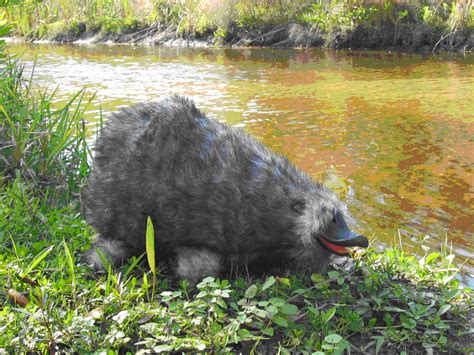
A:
(336, 249)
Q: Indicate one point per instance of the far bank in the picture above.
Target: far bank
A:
(425, 26)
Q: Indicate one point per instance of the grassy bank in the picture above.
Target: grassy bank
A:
(50, 302)
(353, 23)
(389, 302)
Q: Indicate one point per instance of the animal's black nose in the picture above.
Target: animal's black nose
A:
(356, 240)
(360, 241)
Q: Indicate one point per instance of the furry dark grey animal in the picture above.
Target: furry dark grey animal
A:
(219, 200)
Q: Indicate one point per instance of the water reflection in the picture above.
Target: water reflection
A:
(391, 132)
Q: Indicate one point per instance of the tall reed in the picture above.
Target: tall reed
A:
(39, 143)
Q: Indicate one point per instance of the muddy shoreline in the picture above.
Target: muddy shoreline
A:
(410, 37)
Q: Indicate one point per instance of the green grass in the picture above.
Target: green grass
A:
(37, 19)
(390, 300)
(39, 143)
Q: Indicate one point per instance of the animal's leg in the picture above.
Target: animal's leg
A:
(195, 264)
(115, 251)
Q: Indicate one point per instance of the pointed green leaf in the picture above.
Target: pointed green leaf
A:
(378, 345)
(326, 316)
(268, 283)
(70, 263)
(432, 257)
(150, 245)
(38, 258)
(444, 309)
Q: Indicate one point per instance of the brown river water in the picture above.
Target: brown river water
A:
(392, 134)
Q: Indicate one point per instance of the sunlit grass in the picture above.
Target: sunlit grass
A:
(390, 301)
(39, 143)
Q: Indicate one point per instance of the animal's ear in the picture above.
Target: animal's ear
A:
(298, 207)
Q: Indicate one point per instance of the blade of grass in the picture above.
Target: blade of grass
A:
(37, 259)
(71, 265)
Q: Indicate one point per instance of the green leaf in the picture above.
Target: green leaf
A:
(407, 322)
(277, 301)
(326, 316)
(282, 322)
(432, 257)
(388, 319)
(244, 333)
(70, 263)
(443, 340)
(428, 346)
(379, 343)
(333, 274)
(4, 30)
(316, 278)
(394, 309)
(268, 283)
(133, 265)
(150, 245)
(333, 338)
(215, 328)
(313, 311)
(38, 258)
(251, 291)
(163, 348)
(272, 309)
(289, 309)
(441, 325)
(4, 3)
(356, 325)
(444, 309)
(284, 281)
(268, 331)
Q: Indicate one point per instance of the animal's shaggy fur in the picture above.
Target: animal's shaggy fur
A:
(219, 199)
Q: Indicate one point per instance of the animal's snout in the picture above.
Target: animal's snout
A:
(338, 237)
